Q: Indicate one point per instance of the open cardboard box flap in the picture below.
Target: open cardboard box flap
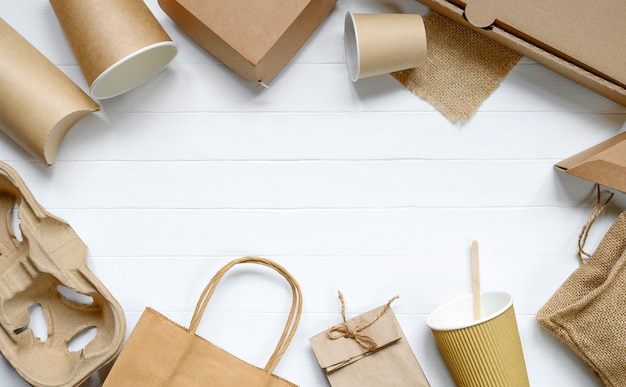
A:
(604, 163)
(581, 40)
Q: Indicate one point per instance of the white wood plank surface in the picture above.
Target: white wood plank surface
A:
(359, 187)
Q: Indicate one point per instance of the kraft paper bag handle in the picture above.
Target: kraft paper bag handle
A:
(292, 320)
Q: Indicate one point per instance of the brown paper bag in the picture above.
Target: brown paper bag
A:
(587, 311)
(162, 353)
(368, 350)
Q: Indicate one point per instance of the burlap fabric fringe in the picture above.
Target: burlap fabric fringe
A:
(462, 68)
(588, 310)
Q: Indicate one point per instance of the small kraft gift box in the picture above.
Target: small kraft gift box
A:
(368, 350)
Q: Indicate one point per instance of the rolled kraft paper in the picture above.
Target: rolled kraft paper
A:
(39, 102)
(383, 43)
(118, 44)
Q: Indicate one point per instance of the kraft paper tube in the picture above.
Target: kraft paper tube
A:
(484, 352)
(383, 43)
(39, 102)
(118, 44)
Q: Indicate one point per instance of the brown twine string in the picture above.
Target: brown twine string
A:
(344, 330)
(582, 238)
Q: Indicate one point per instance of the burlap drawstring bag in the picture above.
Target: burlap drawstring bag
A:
(588, 311)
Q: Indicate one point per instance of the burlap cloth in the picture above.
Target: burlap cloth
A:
(588, 311)
(462, 68)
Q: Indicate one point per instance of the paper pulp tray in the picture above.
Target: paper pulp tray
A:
(44, 265)
(255, 39)
(584, 41)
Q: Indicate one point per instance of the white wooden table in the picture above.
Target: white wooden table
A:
(363, 188)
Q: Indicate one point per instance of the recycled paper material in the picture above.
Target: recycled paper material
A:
(255, 39)
(160, 352)
(391, 363)
(579, 39)
(47, 268)
(593, 35)
(604, 163)
(118, 44)
(39, 102)
(383, 43)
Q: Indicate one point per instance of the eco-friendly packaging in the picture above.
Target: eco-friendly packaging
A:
(604, 163)
(39, 102)
(586, 312)
(45, 267)
(369, 350)
(378, 44)
(483, 351)
(255, 39)
(160, 352)
(118, 44)
(584, 41)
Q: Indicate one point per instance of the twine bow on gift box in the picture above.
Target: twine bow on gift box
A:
(345, 330)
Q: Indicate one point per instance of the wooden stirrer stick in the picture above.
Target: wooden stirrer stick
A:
(475, 280)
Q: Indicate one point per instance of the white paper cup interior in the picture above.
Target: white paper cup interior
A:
(459, 314)
(351, 41)
(133, 70)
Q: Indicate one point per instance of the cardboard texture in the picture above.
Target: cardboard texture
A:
(160, 352)
(39, 102)
(118, 44)
(255, 39)
(583, 41)
(604, 163)
(348, 363)
(35, 270)
(383, 43)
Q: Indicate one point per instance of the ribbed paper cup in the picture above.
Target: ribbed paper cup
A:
(118, 44)
(38, 102)
(483, 352)
(378, 44)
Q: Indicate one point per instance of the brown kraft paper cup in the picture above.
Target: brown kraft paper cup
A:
(39, 102)
(483, 352)
(118, 44)
(378, 44)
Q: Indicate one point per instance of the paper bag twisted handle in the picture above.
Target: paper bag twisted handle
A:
(344, 330)
(597, 210)
(292, 320)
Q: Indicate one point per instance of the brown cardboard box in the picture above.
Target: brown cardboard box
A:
(256, 39)
(582, 40)
(604, 164)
